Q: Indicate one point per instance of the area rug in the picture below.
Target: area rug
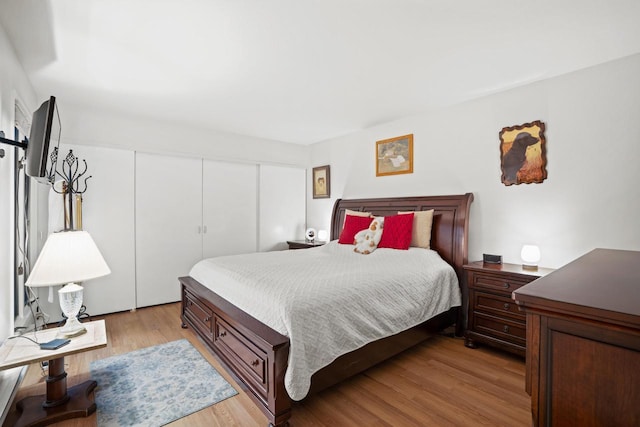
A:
(156, 385)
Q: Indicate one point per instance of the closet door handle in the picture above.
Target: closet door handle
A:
(199, 230)
(204, 229)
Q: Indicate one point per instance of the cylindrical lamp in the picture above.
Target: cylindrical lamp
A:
(530, 255)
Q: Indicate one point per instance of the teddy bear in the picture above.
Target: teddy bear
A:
(366, 241)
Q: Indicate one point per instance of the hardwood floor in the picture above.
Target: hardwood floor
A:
(437, 383)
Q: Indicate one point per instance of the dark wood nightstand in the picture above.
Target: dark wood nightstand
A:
(303, 244)
(494, 318)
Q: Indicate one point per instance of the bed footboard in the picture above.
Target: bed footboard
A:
(253, 353)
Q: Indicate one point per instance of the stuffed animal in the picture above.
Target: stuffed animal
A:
(366, 241)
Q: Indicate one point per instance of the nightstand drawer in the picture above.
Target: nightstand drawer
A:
(496, 305)
(496, 282)
(503, 328)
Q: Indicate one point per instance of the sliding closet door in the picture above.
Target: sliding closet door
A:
(168, 224)
(282, 206)
(229, 208)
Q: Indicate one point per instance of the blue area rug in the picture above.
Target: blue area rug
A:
(156, 385)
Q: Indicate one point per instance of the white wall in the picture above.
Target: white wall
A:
(13, 84)
(83, 126)
(590, 198)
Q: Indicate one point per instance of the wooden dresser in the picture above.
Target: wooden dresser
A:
(583, 335)
(493, 317)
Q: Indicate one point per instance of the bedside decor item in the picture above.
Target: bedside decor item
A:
(530, 255)
(323, 235)
(321, 182)
(66, 258)
(492, 259)
(523, 157)
(310, 234)
(394, 155)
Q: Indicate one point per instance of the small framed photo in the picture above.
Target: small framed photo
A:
(394, 155)
(321, 182)
(523, 157)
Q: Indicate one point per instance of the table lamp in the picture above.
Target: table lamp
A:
(66, 258)
(530, 255)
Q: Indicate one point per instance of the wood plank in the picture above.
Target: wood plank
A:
(439, 382)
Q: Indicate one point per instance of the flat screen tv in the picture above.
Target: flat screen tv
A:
(42, 146)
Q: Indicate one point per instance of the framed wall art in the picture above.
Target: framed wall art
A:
(321, 182)
(394, 155)
(523, 156)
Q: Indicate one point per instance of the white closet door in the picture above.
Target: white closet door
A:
(108, 215)
(282, 206)
(229, 208)
(168, 224)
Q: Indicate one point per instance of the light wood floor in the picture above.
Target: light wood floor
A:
(437, 383)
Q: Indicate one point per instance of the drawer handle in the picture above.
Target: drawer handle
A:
(223, 333)
(506, 306)
(506, 329)
(255, 362)
(189, 303)
(207, 319)
(505, 285)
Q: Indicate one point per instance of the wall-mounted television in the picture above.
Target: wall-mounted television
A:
(42, 145)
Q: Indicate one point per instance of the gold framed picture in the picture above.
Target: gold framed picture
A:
(321, 182)
(523, 157)
(394, 155)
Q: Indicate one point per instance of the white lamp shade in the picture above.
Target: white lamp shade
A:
(68, 256)
(530, 255)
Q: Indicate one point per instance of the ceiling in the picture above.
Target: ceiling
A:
(304, 71)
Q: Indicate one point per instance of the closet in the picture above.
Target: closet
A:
(189, 208)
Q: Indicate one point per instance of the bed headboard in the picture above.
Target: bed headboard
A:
(449, 232)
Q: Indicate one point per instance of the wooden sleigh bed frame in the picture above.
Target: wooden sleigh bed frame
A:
(256, 355)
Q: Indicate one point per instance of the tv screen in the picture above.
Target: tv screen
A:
(42, 146)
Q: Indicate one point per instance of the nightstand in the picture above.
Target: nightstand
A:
(303, 244)
(494, 318)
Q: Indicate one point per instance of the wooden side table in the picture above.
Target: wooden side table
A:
(493, 317)
(59, 403)
(303, 244)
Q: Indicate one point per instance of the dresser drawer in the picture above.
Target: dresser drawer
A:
(200, 315)
(495, 282)
(242, 353)
(496, 305)
(499, 327)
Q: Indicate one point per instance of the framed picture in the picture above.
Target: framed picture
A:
(394, 155)
(321, 182)
(523, 156)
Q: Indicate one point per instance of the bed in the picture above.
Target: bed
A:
(258, 355)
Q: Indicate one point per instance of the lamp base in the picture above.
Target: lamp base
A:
(72, 328)
(530, 267)
(71, 334)
(70, 303)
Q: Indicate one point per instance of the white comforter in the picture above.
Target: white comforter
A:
(329, 300)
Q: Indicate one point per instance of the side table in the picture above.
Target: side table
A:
(493, 317)
(59, 403)
(303, 244)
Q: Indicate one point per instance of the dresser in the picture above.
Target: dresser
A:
(583, 336)
(493, 318)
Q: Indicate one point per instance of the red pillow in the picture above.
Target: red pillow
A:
(397, 232)
(353, 224)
